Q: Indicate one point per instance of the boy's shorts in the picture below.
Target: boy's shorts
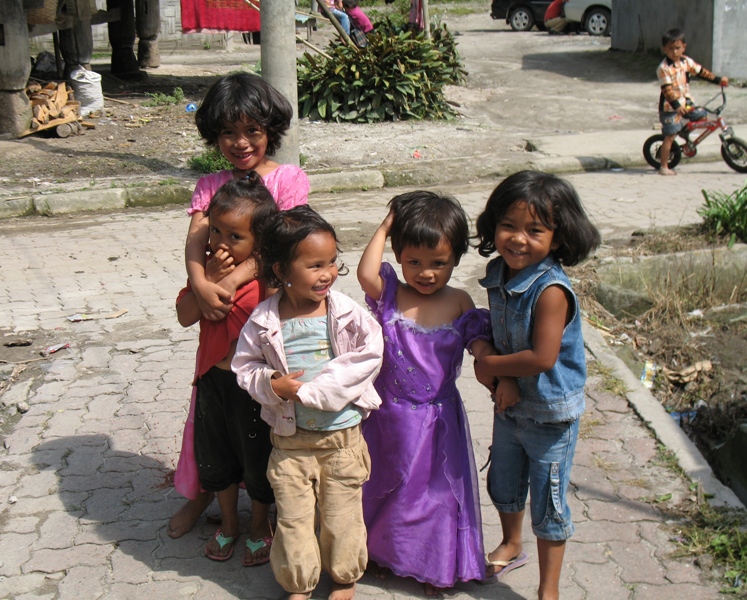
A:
(671, 123)
(232, 442)
(527, 456)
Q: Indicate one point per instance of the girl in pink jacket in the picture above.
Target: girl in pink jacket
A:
(309, 356)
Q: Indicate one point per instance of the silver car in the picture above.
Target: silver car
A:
(594, 15)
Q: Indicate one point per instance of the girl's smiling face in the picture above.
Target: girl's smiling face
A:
(427, 270)
(522, 239)
(313, 270)
(231, 231)
(244, 144)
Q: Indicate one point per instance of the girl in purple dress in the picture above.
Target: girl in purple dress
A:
(421, 504)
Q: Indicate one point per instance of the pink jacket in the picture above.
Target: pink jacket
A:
(358, 346)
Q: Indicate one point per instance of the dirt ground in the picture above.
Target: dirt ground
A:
(519, 84)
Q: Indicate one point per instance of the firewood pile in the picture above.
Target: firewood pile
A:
(53, 105)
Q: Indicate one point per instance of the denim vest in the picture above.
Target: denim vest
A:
(556, 395)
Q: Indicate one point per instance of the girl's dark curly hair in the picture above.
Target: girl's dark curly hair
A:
(281, 237)
(425, 218)
(555, 203)
(250, 198)
(244, 95)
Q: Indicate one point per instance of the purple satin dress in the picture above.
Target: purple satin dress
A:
(421, 504)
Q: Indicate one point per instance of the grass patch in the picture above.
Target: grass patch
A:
(609, 383)
(160, 99)
(587, 425)
(209, 161)
(722, 535)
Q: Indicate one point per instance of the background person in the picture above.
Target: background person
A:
(555, 21)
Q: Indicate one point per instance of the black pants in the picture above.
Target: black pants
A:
(232, 442)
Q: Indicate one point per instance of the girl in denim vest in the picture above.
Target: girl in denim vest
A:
(535, 222)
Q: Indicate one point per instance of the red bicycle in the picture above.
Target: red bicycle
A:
(733, 150)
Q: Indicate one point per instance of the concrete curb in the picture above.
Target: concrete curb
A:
(654, 416)
(425, 173)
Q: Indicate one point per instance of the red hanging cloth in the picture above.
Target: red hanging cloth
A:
(218, 15)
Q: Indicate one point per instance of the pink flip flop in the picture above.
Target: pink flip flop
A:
(254, 546)
(223, 541)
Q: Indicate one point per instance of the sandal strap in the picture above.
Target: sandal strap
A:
(255, 545)
(223, 540)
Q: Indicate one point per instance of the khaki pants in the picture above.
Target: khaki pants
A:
(322, 470)
(558, 24)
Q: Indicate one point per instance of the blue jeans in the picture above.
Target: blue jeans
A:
(343, 18)
(527, 456)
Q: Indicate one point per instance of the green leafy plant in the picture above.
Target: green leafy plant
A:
(399, 75)
(209, 161)
(726, 214)
(159, 99)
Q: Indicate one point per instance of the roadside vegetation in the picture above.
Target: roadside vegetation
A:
(694, 336)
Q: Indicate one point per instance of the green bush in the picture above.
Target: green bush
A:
(399, 75)
(726, 214)
(209, 161)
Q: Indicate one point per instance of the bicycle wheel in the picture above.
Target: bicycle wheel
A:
(734, 152)
(652, 152)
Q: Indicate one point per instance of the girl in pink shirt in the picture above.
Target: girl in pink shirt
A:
(245, 118)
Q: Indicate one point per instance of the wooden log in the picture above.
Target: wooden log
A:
(65, 130)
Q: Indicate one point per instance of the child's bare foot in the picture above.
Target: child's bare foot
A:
(342, 591)
(186, 517)
(666, 171)
(377, 570)
(502, 556)
(432, 590)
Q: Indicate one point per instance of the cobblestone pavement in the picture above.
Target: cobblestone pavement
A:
(85, 472)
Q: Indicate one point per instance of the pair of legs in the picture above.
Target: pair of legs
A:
(550, 554)
(259, 527)
(232, 444)
(319, 472)
(525, 456)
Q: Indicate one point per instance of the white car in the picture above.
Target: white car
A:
(593, 15)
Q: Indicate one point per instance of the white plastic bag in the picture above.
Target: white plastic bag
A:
(87, 87)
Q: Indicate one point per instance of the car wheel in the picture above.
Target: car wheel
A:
(521, 18)
(597, 21)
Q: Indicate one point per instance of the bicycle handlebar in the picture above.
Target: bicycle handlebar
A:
(720, 109)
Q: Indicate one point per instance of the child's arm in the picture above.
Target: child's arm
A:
(504, 390)
(506, 394)
(550, 318)
(370, 263)
(187, 310)
(712, 77)
(213, 300)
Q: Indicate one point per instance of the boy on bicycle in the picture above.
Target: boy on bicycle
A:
(675, 101)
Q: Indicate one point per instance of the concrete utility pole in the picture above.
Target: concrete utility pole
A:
(278, 56)
(426, 20)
